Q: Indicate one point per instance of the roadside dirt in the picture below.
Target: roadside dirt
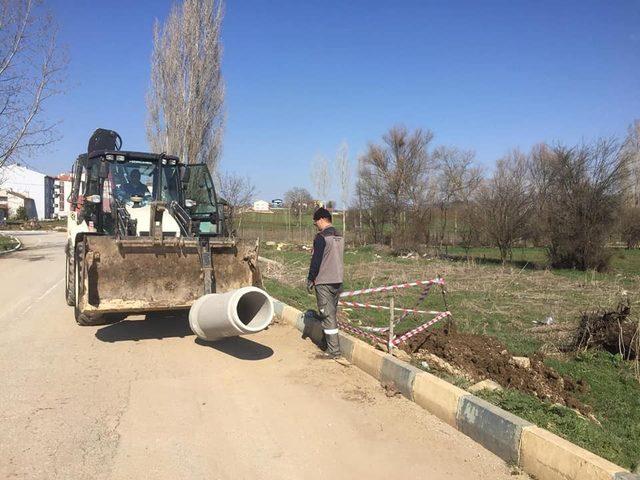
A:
(482, 357)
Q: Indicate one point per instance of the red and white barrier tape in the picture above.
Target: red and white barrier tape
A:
(356, 331)
(421, 299)
(405, 311)
(398, 340)
(435, 281)
(421, 328)
(374, 329)
(383, 307)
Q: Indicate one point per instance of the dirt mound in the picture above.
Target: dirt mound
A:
(482, 357)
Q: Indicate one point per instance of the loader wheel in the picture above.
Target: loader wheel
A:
(69, 276)
(85, 319)
(81, 318)
(96, 319)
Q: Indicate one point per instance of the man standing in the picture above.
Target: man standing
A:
(325, 275)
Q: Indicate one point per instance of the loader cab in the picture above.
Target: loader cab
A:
(112, 190)
(201, 200)
(136, 182)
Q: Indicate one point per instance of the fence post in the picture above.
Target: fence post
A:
(391, 318)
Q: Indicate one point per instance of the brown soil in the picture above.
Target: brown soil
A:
(483, 357)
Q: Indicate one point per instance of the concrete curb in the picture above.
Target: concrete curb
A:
(17, 247)
(495, 429)
(537, 451)
(544, 454)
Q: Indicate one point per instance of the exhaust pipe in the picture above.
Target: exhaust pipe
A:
(238, 312)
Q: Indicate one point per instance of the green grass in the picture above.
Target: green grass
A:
(615, 396)
(281, 218)
(7, 243)
(625, 262)
(296, 297)
(277, 218)
(521, 254)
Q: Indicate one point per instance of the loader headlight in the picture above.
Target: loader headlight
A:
(94, 198)
(109, 158)
(190, 203)
(119, 158)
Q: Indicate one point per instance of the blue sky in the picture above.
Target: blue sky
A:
(302, 76)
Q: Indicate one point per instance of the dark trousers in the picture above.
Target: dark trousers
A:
(327, 296)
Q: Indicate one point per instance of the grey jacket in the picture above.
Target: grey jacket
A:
(326, 262)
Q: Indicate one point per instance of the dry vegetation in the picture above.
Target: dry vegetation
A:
(503, 301)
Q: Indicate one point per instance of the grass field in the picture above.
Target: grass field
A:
(279, 225)
(622, 261)
(504, 302)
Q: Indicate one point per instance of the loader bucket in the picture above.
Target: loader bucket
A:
(141, 274)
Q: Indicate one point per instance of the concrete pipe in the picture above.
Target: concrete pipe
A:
(239, 312)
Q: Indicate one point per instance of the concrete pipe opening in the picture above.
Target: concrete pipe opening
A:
(239, 312)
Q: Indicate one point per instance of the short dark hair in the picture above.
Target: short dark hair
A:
(321, 213)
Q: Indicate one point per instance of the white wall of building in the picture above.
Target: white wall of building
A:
(260, 206)
(27, 182)
(10, 202)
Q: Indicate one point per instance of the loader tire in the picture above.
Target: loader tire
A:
(85, 319)
(82, 319)
(69, 275)
(96, 319)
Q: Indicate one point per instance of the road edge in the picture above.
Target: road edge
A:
(17, 247)
(518, 442)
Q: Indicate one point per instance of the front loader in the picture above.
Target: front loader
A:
(146, 233)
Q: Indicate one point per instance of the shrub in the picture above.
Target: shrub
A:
(580, 193)
(630, 226)
(21, 213)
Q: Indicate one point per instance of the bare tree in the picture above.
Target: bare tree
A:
(320, 176)
(505, 203)
(31, 67)
(469, 232)
(185, 100)
(392, 178)
(631, 150)
(298, 199)
(458, 179)
(583, 189)
(629, 221)
(372, 201)
(344, 172)
(237, 191)
(630, 226)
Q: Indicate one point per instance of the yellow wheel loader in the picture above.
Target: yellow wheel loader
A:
(146, 233)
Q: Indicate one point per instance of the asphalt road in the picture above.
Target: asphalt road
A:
(143, 399)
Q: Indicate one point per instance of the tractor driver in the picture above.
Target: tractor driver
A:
(135, 186)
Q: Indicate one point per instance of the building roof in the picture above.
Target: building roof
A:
(15, 194)
(19, 166)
